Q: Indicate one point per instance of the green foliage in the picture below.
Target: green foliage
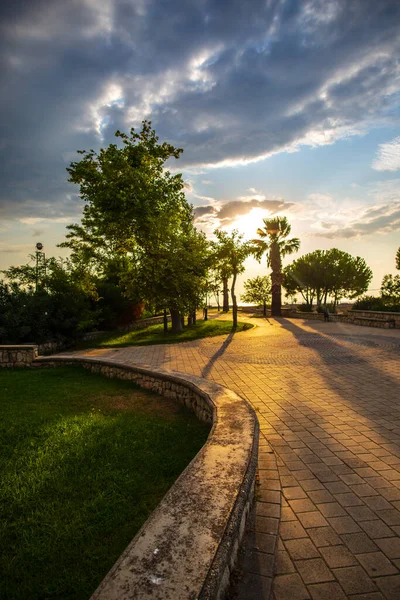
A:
(257, 290)
(398, 259)
(380, 303)
(269, 240)
(229, 253)
(136, 209)
(390, 288)
(327, 273)
(59, 309)
(84, 460)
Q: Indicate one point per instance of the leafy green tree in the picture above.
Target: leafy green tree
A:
(390, 288)
(327, 273)
(275, 244)
(61, 307)
(398, 259)
(230, 250)
(135, 207)
(258, 291)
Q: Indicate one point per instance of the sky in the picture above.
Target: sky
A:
(282, 107)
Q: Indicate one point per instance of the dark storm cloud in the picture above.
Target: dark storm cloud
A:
(227, 81)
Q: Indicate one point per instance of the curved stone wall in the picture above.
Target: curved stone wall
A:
(188, 547)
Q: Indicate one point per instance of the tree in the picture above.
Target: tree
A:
(398, 259)
(273, 242)
(258, 291)
(230, 250)
(62, 306)
(390, 288)
(135, 207)
(327, 273)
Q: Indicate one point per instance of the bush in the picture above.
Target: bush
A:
(376, 303)
(305, 308)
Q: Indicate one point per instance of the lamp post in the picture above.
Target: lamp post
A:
(40, 257)
(276, 266)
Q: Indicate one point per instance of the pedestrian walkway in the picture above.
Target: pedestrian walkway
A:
(327, 396)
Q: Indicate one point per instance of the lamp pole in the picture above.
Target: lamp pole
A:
(39, 253)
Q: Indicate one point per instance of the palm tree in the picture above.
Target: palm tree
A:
(273, 242)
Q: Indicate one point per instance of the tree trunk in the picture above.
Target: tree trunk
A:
(225, 306)
(176, 321)
(265, 309)
(190, 320)
(276, 280)
(194, 316)
(165, 322)
(234, 302)
(183, 321)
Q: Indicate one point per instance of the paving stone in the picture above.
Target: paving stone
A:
(376, 564)
(359, 543)
(319, 496)
(390, 586)
(348, 499)
(312, 519)
(301, 506)
(390, 546)
(289, 587)
(338, 556)
(331, 509)
(326, 591)
(263, 542)
(314, 570)
(354, 580)
(324, 536)
(265, 524)
(294, 493)
(301, 548)
(377, 503)
(291, 530)
(344, 525)
(283, 563)
(259, 563)
(362, 513)
(376, 529)
(253, 586)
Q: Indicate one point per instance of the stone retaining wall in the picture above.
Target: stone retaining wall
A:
(374, 314)
(18, 356)
(188, 547)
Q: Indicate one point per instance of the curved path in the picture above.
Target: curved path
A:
(327, 397)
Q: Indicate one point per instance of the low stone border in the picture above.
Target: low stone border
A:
(18, 355)
(188, 547)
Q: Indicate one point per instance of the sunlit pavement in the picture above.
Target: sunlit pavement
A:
(327, 396)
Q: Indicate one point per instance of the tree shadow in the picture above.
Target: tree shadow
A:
(340, 367)
(205, 372)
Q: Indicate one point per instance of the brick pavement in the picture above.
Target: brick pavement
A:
(327, 398)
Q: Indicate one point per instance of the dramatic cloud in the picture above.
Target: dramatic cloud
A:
(227, 212)
(231, 83)
(388, 158)
(380, 219)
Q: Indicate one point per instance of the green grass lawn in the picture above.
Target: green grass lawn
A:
(83, 462)
(155, 335)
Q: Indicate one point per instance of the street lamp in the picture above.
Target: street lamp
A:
(39, 253)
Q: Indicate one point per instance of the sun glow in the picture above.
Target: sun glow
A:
(248, 224)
